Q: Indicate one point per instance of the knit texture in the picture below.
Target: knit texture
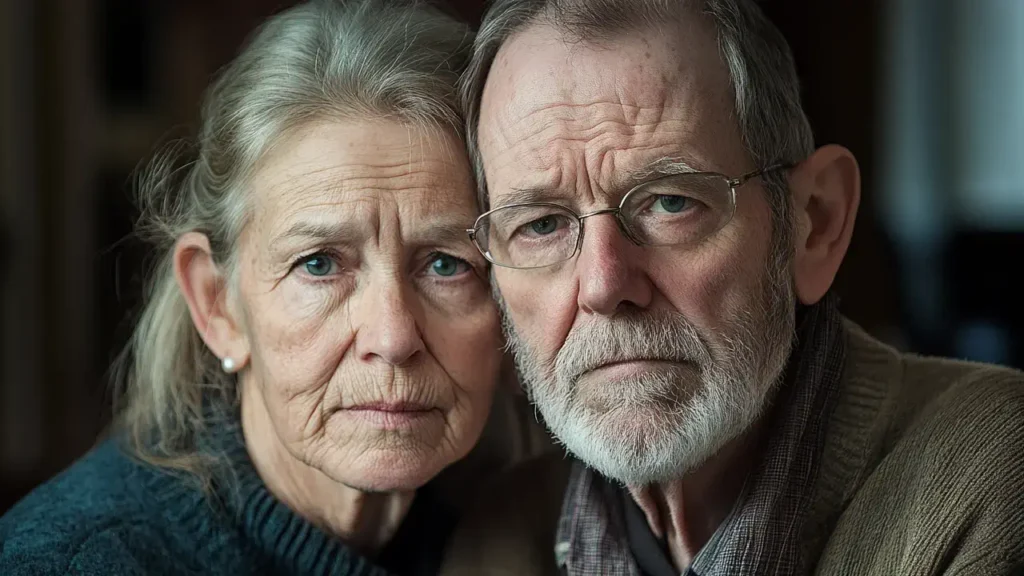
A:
(922, 473)
(109, 514)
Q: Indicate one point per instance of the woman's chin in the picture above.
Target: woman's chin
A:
(388, 471)
(375, 459)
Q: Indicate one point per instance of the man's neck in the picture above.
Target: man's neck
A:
(364, 520)
(687, 511)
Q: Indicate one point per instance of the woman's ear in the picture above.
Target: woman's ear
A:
(205, 291)
(826, 193)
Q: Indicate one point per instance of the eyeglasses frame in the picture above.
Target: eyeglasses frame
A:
(733, 183)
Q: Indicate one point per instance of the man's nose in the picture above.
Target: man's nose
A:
(390, 331)
(607, 270)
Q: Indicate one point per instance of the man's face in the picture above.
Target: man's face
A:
(643, 360)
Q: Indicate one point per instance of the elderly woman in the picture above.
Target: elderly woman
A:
(319, 342)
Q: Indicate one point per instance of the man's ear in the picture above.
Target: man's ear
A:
(826, 194)
(205, 291)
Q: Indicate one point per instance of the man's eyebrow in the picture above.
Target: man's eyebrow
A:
(526, 195)
(662, 167)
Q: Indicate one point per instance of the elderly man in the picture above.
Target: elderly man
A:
(664, 236)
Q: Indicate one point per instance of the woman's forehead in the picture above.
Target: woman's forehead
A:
(371, 217)
(351, 177)
(357, 154)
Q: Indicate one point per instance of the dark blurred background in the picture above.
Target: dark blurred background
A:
(929, 95)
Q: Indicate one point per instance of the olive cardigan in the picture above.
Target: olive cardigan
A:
(922, 473)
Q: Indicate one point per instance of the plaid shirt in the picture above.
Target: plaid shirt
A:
(760, 535)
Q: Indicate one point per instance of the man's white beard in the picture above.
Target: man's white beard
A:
(660, 424)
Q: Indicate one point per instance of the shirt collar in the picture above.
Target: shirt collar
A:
(761, 535)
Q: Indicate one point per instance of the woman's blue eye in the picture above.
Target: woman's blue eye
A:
(672, 204)
(445, 265)
(319, 265)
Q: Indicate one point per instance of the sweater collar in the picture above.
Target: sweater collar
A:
(857, 431)
(293, 544)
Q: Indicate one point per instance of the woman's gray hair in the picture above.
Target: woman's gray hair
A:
(332, 59)
(767, 91)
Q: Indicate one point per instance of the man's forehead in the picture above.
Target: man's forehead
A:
(542, 64)
(649, 91)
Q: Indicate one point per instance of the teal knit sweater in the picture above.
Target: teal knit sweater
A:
(110, 514)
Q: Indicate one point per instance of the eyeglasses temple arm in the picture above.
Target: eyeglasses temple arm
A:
(735, 182)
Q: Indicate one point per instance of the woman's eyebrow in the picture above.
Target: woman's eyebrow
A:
(446, 232)
(334, 231)
(282, 246)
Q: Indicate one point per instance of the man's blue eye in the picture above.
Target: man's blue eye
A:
(444, 265)
(319, 265)
(544, 226)
(672, 204)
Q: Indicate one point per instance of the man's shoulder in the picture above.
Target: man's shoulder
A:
(916, 391)
(511, 528)
(973, 424)
(959, 403)
(963, 387)
(953, 413)
(945, 476)
(930, 410)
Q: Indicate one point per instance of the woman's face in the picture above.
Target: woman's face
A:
(374, 343)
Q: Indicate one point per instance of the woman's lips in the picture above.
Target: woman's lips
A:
(392, 415)
(391, 407)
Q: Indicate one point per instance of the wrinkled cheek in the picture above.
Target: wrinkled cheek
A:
(298, 352)
(471, 362)
(540, 309)
(474, 358)
(464, 337)
(301, 332)
(464, 424)
(709, 283)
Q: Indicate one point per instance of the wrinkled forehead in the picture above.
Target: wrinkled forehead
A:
(651, 54)
(668, 73)
(346, 173)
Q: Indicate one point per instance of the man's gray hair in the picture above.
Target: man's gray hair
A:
(334, 60)
(767, 92)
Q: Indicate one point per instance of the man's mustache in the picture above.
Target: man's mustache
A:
(651, 335)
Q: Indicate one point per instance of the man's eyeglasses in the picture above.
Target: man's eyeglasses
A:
(675, 210)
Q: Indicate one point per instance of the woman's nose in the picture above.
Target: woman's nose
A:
(390, 331)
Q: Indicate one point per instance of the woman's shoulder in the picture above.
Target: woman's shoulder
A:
(86, 520)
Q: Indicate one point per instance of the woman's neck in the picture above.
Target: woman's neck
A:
(365, 520)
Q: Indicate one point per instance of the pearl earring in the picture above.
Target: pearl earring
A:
(228, 365)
